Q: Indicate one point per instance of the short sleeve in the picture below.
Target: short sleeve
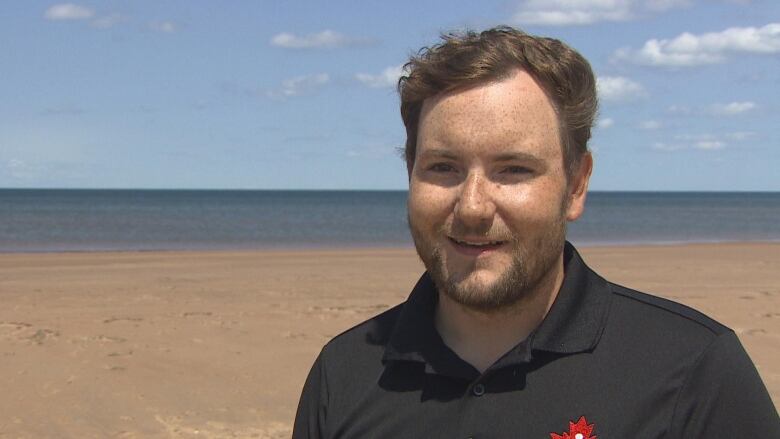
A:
(310, 418)
(723, 396)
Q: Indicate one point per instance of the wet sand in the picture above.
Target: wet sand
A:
(217, 344)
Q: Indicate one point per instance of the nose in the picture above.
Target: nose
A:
(475, 207)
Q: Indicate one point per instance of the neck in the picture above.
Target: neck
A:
(480, 337)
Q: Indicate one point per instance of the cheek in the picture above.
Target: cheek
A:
(531, 205)
(427, 203)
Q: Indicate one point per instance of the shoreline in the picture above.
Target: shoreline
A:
(371, 247)
(217, 344)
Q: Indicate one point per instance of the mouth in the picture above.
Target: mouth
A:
(475, 247)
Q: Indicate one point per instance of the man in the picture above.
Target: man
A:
(509, 334)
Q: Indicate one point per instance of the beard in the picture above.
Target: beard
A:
(531, 261)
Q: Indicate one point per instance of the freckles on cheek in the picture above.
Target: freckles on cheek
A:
(428, 202)
(534, 205)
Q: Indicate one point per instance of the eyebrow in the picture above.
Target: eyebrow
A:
(517, 156)
(438, 152)
(502, 157)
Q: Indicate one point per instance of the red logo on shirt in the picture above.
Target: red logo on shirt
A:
(579, 430)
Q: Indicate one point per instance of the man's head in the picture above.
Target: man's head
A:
(465, 60)
(496, 167)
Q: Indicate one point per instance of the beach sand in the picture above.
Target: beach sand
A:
(217, 344)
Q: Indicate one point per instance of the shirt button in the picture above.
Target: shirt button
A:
(478, 390)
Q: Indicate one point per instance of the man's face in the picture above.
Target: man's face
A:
(488, 195)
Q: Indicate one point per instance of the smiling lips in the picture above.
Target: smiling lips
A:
(475, 247)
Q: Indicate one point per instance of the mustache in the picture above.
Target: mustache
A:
(457, 230)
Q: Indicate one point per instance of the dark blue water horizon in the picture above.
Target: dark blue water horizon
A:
(55, 220)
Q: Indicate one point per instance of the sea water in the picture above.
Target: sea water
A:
(42, 220)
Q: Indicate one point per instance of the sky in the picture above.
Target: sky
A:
(293, 94)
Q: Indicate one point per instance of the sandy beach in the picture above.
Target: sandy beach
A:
(217, 344)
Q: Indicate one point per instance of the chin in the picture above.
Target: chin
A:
(480, 289)
(476, 280)
(478, 293)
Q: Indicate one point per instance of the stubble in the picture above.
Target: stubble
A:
(531, 262)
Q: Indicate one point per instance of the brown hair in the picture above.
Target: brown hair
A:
(467, 59)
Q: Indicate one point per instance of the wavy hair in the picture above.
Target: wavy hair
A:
(469, 58)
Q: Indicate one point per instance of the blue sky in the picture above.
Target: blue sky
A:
(291, 94)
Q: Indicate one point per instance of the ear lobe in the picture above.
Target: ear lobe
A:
(578, 188)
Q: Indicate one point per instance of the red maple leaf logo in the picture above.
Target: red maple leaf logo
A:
(579, 430)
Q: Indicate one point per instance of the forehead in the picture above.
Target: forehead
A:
(503, 115)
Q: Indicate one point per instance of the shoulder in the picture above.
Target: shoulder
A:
(657, 336)
(691, 361)
(648, 311)
(352, 361)
(365, 341)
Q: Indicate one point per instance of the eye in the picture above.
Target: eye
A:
(441, 167)
(516, 170)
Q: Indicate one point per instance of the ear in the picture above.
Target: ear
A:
(578, 188)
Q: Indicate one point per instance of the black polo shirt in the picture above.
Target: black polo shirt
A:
(606, 362)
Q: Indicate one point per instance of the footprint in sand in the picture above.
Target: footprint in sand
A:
(357, 309)
(196, 313)
(176, 427)
(13, 328)
(294, 335)
(755, 331)
(120, 354)
(120, 319)
(42, 334)
(750, 331)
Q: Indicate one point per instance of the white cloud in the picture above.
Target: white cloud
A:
(326, 39)
(665, 5)
(68, 11)
(679, 109)
(732, 108)
(709, 144)
(584, 12)
(702, 145)
(107, 21)
(741, 135)
(649, 125)
(387, 78)
(300, 85)
(618, 88)
(23, 170)
(687, 50)
(606, 123)
(572, 12)
(167, 27)
(700, 142)
(663, 146)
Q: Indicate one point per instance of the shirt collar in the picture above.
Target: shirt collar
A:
(577, 318)
(415, 337)
(573, 324)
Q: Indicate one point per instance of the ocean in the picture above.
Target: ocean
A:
(49, 220)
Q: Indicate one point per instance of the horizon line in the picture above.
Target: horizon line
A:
(354, 190)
